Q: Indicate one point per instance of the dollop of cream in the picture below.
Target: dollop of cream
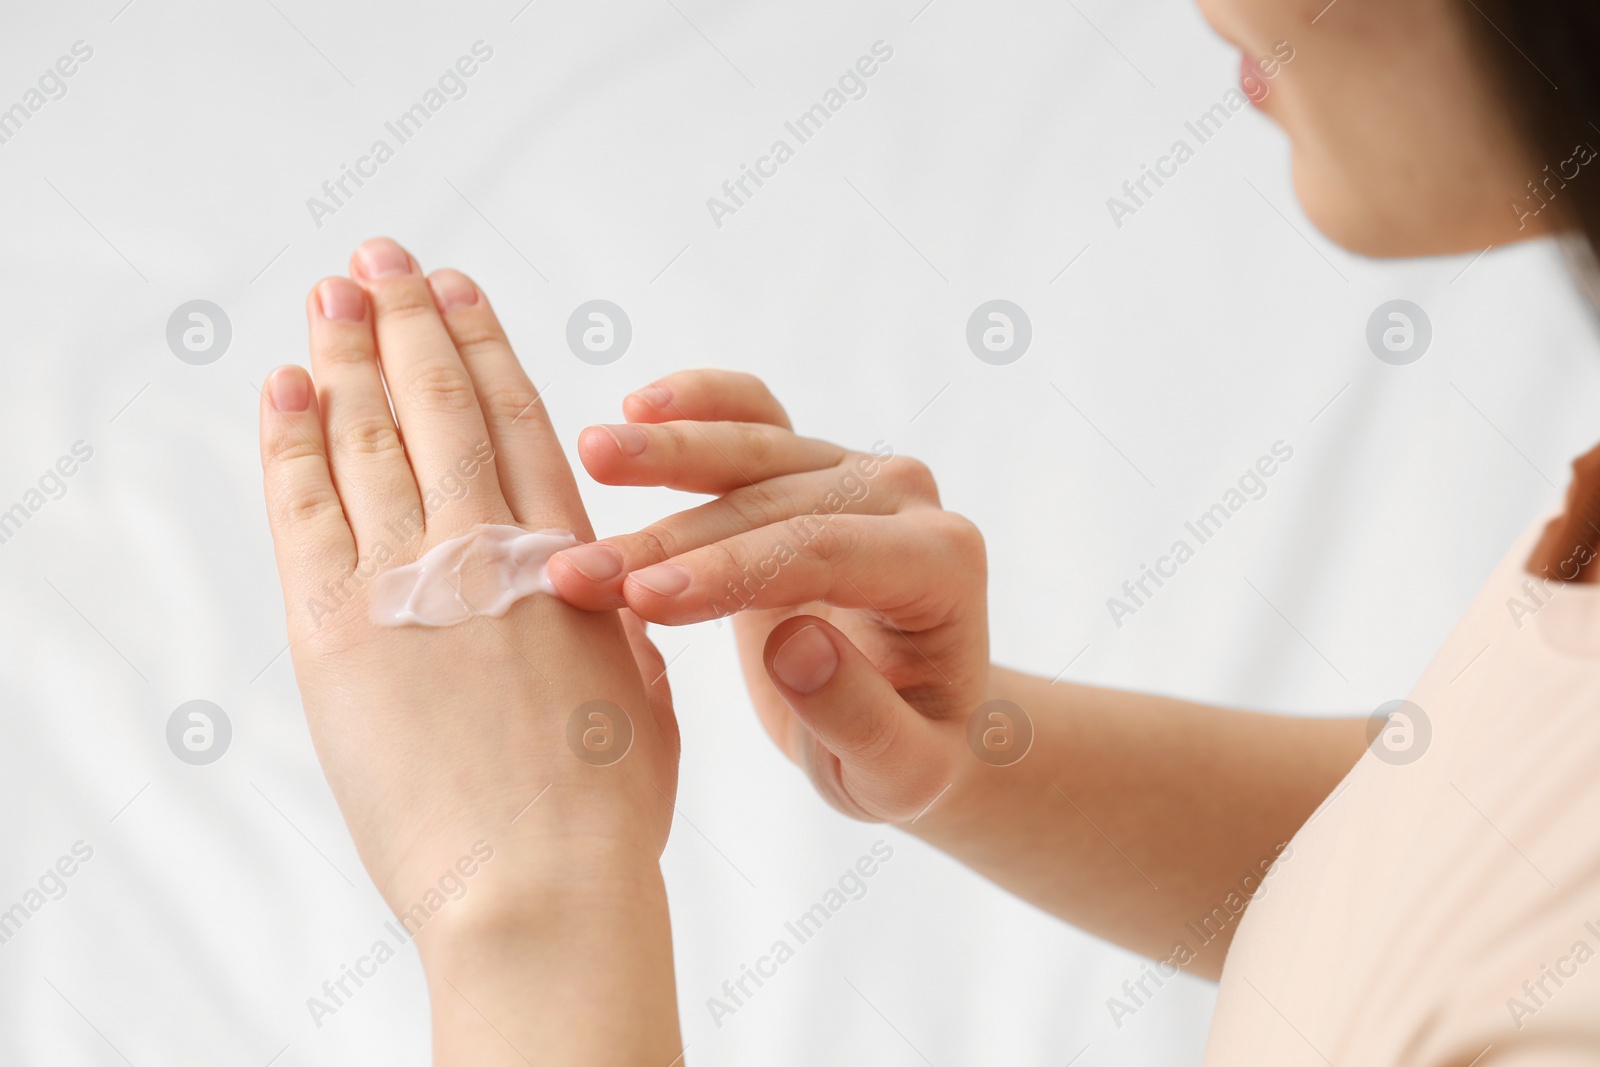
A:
(482, 572)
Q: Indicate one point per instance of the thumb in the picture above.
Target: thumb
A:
(881, 758)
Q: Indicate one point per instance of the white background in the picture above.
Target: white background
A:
(1171, 354)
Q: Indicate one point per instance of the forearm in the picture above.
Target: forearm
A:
(577, 970)
(1137, 817)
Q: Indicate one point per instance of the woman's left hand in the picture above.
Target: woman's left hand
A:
(464, 758)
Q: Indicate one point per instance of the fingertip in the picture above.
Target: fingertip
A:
(378, 258)
(781, 634)
(855, 713)
(600, 453)
(803, 659)
(706, 395)
(337, 299)
(658, 594)
(289, 391)
(663, 580)
(571, 579)
(596, 562)
(453, 290)
(653, 403)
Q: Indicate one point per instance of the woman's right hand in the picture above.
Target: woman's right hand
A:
(858, 602)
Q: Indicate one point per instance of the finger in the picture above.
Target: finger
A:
(700, 457)
(434, 401)
(880, 759)
(535, 477)
(591, 576)
(909, 568)
(369, 465)
(309, 532)
(705, 396)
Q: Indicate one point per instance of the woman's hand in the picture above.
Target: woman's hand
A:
(448, 749)
(859, 603)
(862, 625)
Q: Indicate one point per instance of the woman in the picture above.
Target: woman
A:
(1435, 882)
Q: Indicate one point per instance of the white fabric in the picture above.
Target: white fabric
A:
(1166, 358)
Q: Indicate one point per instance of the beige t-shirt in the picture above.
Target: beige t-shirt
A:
(1445, 912)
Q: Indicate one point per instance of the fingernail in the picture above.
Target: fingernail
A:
(630, 439)
(382, 258)
(595, 562)
(806, 661)
(655, 395)
(452, 289)
(342, 300)
(290, 390)
(664, 579)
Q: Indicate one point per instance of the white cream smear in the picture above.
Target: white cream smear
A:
(482, 572)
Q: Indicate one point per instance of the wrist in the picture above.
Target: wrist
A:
(529, 901)
(984, 779)
(568, 959)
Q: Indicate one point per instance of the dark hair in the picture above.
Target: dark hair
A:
(1545, 55)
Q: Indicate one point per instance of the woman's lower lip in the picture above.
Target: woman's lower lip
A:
(1251, 81)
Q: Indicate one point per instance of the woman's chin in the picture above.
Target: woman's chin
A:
(1397, 227)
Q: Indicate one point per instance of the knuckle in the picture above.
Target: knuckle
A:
(964, 537)
(441, 387)
(723, 560)
(347, 351)
(509, 403)
(746, 378)
(476, 340)
(872, 734)
(671, 435)
(655, 542)
(756, 505)
(912, 477)
(306, 505)
(368, 435)
(403, 300)
(299, 490)
(753, 443)
(290, 449)
(750, 382)
(765, 397)
(830, 539)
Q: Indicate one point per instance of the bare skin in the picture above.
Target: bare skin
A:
(864, 640)
(1399, 146)
(447, 745)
